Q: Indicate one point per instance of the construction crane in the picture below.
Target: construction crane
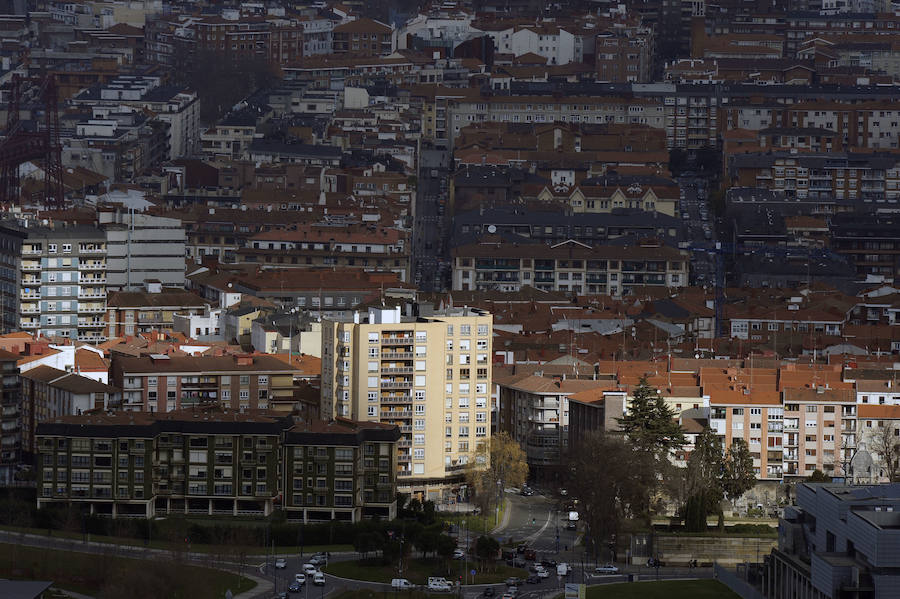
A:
(34, 140)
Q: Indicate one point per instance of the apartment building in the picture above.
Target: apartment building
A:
(870, 178)
(429, 375)
(340, 470)
(870, 241)
(142, 247)
(154, 309)
(363, 37)
(370, 247)
(570, 266)
(49, 393)
(217, 462)
(61, 277)
(11, 452)
(162, 383)
(534, 410)
(180, 109)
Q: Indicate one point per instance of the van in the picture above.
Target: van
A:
(402, 584)
(562, 569)
(438, 584)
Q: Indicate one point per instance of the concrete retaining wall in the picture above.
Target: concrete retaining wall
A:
(678, 550)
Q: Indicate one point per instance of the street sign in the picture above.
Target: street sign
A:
(472, 572)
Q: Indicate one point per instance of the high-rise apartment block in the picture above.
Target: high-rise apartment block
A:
(429, 375)
(60, 277)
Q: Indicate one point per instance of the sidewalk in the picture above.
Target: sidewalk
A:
(504, 522)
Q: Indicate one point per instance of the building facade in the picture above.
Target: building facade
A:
(431, 376)
(161, 383)
(62, 280)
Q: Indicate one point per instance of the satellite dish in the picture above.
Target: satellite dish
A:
(492, 228)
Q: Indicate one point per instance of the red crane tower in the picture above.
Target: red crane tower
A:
(40, 142)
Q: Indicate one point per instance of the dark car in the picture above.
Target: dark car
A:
(516, 562)
(570, 525)
(533, 579)
(513, 581)
(509, 554)
(489, 592)
(549, 563)
(294, 588)
(521, 548)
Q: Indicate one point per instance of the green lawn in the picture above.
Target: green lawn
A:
(418, 570)
(369, 594)
(663, 589)
(109, 576)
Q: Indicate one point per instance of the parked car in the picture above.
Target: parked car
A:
(309, 569)
(543, 574)
(280, 563)
(517, 562)
(488, 592)
(402, 584)
(458, 554)
(513, 581)
(533, 579)
(319, 579)
(438, 584)
(606, 569)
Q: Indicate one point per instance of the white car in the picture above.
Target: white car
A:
(606, 569)
(281, 563)
(300, 579)
(542, 573)
(459, 554)
(319, 579)
(309, 569)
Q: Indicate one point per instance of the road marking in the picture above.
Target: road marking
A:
(533, 537)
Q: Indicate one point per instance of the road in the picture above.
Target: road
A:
(699, 229)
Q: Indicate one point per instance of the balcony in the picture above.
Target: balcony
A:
(92, 266)
(91, 294)
(404, 472)
(396, 340)
(93, 281)
(29, 295)
(91, 308)
(92, 338)
(397, 370)
(404, 443)
(404, 457)
(87, 322)
(396, 399)
(29, 309)
(402, 355)
(32, 252)
(29, 324)
(396, 414)
(396, 384)
(32, 282)
(30, 267)
(406, 428)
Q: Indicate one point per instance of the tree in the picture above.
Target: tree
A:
(738, 475)
(654, 433)
(818, 476)
(612, 480)
(703, 481)
(487, 548)
(499, 463)
(886, 444)
(428, 541)
(650, 424)
(366, 542)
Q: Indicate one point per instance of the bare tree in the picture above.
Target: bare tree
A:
(885, 442)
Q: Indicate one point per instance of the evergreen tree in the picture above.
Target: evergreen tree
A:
(738, 475)
(704, 481)
(650, 424)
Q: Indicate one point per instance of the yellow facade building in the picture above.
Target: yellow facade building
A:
(429, 375)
